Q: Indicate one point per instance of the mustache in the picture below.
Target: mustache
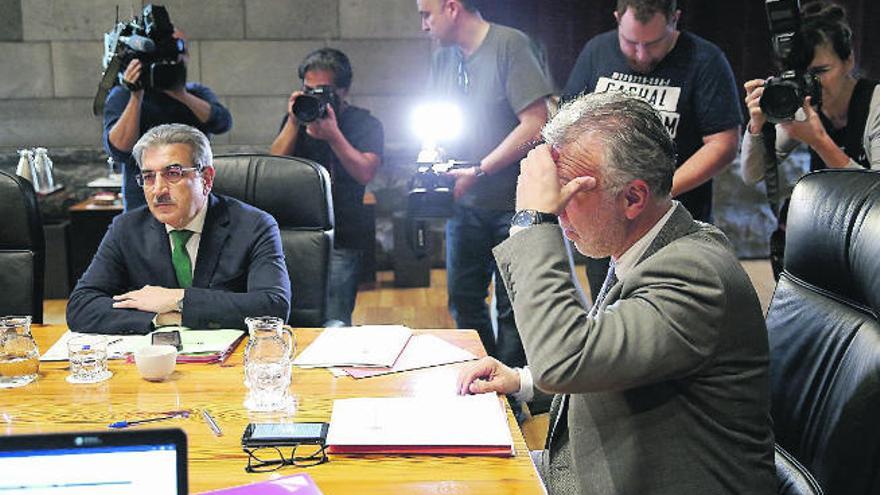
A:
(164, 199)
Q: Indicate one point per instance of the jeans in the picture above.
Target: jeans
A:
(471, 234)
(345, 269)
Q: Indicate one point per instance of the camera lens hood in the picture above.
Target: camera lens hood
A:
(308, 108)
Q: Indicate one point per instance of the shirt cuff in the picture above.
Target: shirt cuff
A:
(526, 385)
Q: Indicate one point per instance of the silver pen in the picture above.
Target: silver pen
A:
(211, 423)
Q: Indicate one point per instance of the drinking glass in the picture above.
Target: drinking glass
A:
(88, 359)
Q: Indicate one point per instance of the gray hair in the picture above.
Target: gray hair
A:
(635, 143)
(176, 134)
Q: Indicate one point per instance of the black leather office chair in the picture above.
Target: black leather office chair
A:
(824, 334)
(297, 193)
(22, 249)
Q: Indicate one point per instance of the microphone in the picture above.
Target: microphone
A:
(139, 43)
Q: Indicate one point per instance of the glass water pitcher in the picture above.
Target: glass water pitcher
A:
(19, 354)
(268, 359)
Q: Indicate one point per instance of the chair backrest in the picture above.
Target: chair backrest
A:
(824, 333)
(22, 249)
(297, 193)
(792, 477)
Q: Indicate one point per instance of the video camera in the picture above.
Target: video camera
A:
(785, 94)
(312, 104)
(430, 189)
(149, 39)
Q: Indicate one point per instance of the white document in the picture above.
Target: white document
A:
(119, 346)
(422, 351)
(451, 420)
(368, 345)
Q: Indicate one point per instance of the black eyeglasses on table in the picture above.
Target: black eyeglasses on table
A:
(267, 459)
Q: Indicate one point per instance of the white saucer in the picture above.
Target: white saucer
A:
(97, 379)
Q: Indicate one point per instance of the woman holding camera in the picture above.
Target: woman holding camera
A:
(843, 132)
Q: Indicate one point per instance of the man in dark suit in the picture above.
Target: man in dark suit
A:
(662, 387)
(189, 257)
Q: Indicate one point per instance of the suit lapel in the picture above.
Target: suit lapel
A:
(680, 224)
(157, 247)
(214, 235)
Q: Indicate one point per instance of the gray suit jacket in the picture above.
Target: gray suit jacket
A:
(668, 382)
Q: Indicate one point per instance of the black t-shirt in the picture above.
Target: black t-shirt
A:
(849, 138)
(693, 88)
(365, 133)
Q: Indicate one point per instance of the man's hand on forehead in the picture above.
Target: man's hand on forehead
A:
(539, 186)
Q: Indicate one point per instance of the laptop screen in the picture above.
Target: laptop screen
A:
(130, 462)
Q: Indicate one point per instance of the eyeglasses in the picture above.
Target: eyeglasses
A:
(172, 173)
(268, 459)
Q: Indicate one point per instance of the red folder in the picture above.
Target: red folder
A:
(500, 451)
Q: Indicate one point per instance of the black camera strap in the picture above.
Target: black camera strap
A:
(771, 171)
(850, 138)
(108, 80)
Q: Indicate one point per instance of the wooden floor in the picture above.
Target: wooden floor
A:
(426, 307)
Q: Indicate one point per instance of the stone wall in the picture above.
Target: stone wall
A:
(247, 51)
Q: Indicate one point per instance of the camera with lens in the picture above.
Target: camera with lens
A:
(150, 39)
(784, 94)
(312, 104)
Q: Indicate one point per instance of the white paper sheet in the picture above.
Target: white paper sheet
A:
(118, 346)
(368, 345)
(422, 351)
(450, 420)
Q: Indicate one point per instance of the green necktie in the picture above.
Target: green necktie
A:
(180, 257)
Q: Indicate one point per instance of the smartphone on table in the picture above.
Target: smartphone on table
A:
(277, 434)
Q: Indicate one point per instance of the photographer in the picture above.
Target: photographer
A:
(130, 110)
(493, 74)
(843, 132)
(348, 142)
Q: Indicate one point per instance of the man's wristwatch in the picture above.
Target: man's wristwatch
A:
(179, 305)
(479, 172)
(527, 218)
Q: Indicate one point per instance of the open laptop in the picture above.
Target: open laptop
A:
(130, 462)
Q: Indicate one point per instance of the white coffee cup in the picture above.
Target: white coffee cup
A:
(156, 362)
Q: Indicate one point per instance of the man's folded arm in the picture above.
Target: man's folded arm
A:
(648, 337)
(90, 307)
(268, 289)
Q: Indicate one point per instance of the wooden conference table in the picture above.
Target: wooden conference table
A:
(52, 405)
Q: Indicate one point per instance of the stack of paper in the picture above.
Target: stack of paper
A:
(422, 351)
(365, 346)
(198, 346)
(297, 484)
(461, 425)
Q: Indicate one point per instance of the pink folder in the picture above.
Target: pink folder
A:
(298, 484)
